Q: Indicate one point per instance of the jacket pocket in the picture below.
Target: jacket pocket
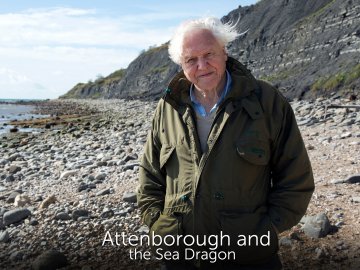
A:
(252, 237)
(165, 225)
(254, 151)
(165, 153)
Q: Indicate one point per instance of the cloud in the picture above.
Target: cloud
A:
(78, 27)
(59, 47)
(8, 76)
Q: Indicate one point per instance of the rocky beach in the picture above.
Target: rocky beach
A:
(63, 190)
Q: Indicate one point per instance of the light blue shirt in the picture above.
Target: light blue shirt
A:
(200, 108)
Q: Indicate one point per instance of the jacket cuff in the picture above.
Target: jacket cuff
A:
(151, 216)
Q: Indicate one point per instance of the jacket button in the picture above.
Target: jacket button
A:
(218, 196)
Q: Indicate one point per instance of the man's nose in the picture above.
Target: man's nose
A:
(202, 63)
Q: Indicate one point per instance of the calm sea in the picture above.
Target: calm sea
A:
(10, 111)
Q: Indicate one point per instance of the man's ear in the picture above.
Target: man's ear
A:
(226, 55)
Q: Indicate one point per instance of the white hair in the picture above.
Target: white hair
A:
(224, 33)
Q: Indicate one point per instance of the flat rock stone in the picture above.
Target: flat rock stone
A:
(317, 226)
(51, 259)
(79, 213)
(356, 199)
(353, 179)
(14, 169)
(68, 173)
(103, 192)
(62, 216)
(100, 176)
(129, 197)
(15, 215)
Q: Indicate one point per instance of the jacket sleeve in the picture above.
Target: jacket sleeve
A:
(151, 191)
(292, 177)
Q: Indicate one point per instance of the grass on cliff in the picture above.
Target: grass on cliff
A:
(75, 92)
(337, 80)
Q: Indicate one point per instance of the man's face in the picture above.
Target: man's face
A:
(204, 60)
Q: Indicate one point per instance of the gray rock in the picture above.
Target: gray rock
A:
(107, 213)
(51, 259)
(17, 255)
(131, 166)
(353, 179)
(10, 178)
(13, 157)
(33, 222)
(82, 187)
(15, 215)
(129, 197)
(143, 229)
(100, 176)
(62, 216)
(14, 169)
(68, 173)
(337, 181)
(4, 237)
(2, 211)
(356, 199)
(80, 213)
(285, 241)
(345, 135)
(317, 226)
(103, 192)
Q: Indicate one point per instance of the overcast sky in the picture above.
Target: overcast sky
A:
(46, 47)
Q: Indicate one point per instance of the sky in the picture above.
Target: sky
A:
(47, 47)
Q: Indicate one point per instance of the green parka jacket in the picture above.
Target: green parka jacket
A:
(255, 174)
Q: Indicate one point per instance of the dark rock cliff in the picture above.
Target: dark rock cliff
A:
(306, 48)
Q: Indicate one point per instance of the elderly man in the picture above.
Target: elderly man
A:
(224, 158)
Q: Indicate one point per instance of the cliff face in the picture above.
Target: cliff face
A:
(304, 47)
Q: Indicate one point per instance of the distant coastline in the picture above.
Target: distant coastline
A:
(19, 100)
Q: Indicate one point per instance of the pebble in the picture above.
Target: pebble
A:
(4, 237)
(76, 214)
(62, 216)
(130, 197)
(68, 173)
(14, 169)
(103, 192)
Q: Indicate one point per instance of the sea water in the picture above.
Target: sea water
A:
(10, 111)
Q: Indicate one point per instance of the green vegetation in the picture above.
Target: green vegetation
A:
(153, 49)
(317, 13)
(157, 70)
(337, 80)
(101, 81)
(282, 75)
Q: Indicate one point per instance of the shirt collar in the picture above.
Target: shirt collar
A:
(197, 105)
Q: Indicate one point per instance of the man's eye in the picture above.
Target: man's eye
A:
(209, 55)
(190, 61)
